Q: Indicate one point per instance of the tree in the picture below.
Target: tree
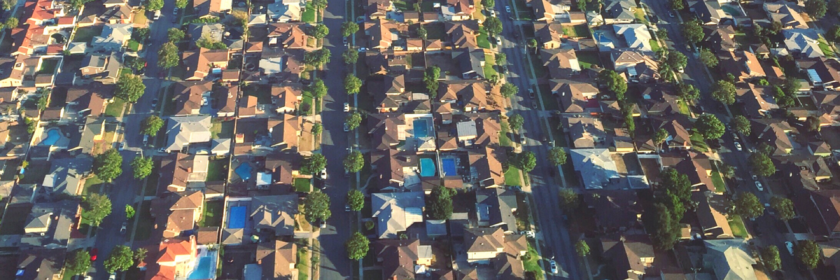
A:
(42, 101)
(350, 56)
(677, 184)
(317, 88)
(208, 42)
(582, 248)
(834, 5)
(348, 28)
(569, 200)
(659, 136)
(175, 35)
(129, 211)
(130, 88)
(357, 246)
(140, 254)
(516, 121)
(354, 161)
(320, 31)
(493, 26)
(108, 165)
(688, 91)
(741, 125)
(120, 259)
(557, 156)
(353, 120)
(770, 257)
(709, 126)
(708, 58)
(181, 4)
(154, 5)
(352, 84)
(807, 252)
(501, 59)
(142, 167)
(95, 208)
(422, 33)
(316, 207)
(816, 8)
(761, 164)
(317, 58)
(430, 79)
(783, 207)
(440, 203)
(662, 34)
(724, 91)
(677, 60)
(614, 83)
(727, 171)
(316, 129)
(151, 125)
(748, 206)
(314, 164)
(11, 22)
(525, 161)
(168, 56)
(508, 90)
(77, 4)
(834, 33)
(532, 43)
(692, 31)
(677, 4)
(664, 230)
(319, 4)
(356, 200)
(488, 4)
(812, 124)
(791, 87)
(78, 263)
(31, 124)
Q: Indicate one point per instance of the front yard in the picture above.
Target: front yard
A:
(737, 225)
(115, 109)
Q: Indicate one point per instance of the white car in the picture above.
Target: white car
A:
(553, 266)
(507, 9)
(323, 224)
(157, 15)
(346, 107)
(323, 174)
(789, 246)
(498, 40)
(759, 186)
(738, 146)
(492, 13)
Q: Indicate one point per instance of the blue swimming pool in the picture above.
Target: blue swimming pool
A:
(449, 168)
(237, 217)
(205, 268)
(52, 136)
(244, 171)
(421, 129)
(427, 167)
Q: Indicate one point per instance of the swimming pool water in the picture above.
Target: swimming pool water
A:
(421, 129)
(204, 268)
(52, 136)
(449, 168)
(244, 171)
(427, 167)
(237, 217)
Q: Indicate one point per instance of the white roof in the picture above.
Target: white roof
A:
(263, 179)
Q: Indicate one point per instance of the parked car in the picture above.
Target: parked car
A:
(346, 107)
(789, 246)
(157, 15)
(93, 253)
(121, 146)
(671, 14)
(759, 186)
(346, 127)
(323, 174)
(738, 146)
(507, 9)
(498, 40)
(122, 229)
(553, 265)
(345, 40)
(346, 208)
(323, 224)
(522, 138)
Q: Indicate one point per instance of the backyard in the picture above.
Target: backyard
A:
(86, 34)
(302, 185)
(144, 222)
(48, 66)
(221, 129)
(587, 59)
(213, 211)
(577, 31)
(217, 170)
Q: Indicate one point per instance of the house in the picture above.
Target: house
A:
(639, 68)
(283, 168)
(378, 9)
(495, 207)
(175, 213)
(508, 267)
(786, 14)
(284, 131)
(275, 213)
(546, 11)
(287, 35)
(117, 14)
(575, 97)
(623, 143)
(822, 73)
(710, 209)
(200, 64)
(211, 32)
(660, 100)
(462, 34)
(720, 38)
(277, 259)
(414, 44)
(595, 167)
(615, 210)
(696, 166)
(458, 10)
(40, 263)
(729, 259)
(190, 97)
(678, 136)
(630, 254)
(91, 98)
(390, 166)
(286, 97)
(278, 65)
(180, 172)
(708, 12)
(11, 72)
(49, 224)
(549, 35)
(757, 101)
(774, 134)
(636, 36)
(382, 34)
(396, 212)
(828, 107)
(93, 64)
(181, 131)
(171, 255)
(485, 244)
(471, 63)
(103, 68)
(384, 130)
(389, 93)
(561, 63)
(29, 39)
(211, 8)
(585, 132)
(248, 107)
(619, 11)
(743, 65)
(67, 175)
(472, 94)
(398, 257)
(93, 131)
(284, 11)
(487, 162)
(802, 43)
(113, 37)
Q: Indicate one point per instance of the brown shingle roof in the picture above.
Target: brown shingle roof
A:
(188, 96)
(199, 63)
(91, 96)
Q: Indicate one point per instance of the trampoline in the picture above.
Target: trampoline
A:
(427, 167)
(52, 136)
(244, 171)
(449, 168)
(237, 217)
(421, 129)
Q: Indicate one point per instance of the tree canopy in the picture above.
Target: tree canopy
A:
(120, 259)
(350, 56)
(320, 31)
(154, 5)
(168, 56)
(181, 3)
(748, 206)
(677, 60)
(314, 164)
(761, 164)
(807, 252)
(316, 207)
(356, 200)
(708, 58)
(784, 207)
(488, 3)
(142, 167)
(770, 256)
(709, 126)
(175, 35)
(430, 79)
(812, 124)
(422, 33)
(317, 88)
(557, 156)
(348, 28)
(95, 208)
(677, 4)
(692, 31)
(688, 91)
(569, 200)
(317, 58)
(129, 211)
(508, 89)
(615, 83)
(440, 203)
(354, 161)
(659, 136)
(581, 248)
(493, 26)
(664, 231)
(151, 125)
(501, 59)
(724, 91)
(816, 8)
(353, 120)
(78, 263)
(352, 84)
(357, 246)
(130, 88)
(516, 121)
(741, 125)
(108, 165)
(525, 161)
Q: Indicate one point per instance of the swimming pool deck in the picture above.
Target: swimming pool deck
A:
(204, 251)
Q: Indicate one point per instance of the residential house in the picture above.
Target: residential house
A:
(561, 63)
(175, 213)
(287, 35)
(710, 209)
(286, 97)
(638, 66)
(630, 254)
(458, 10)
(802, 43)
(595, 167)
(189, 97)
(390, 166)
(278, 259)
(619, 11)
(93, 131)
(113, 37)
(211, 8)
(284, 131)
(729, 259)
(226, 96)
(696, 166)
(720, 38)
(117, 14)
(548, 11)
(91, 98)
(173, 255)
(615, 210)
(181, 131)
(785, 13)
(382, 34)
(384, 130)
(487, 163)
(549, 35)
(623, 143)
(49, 224)
(508, 267)
(471, 63)
(575, 97)
(11, 72)
(40, 264)
(485, 244)
(708, 12)
(743, 65)
(660, 100)
(278, 65)
(389, 94)
(472, 94)
(211, 32)
(249, 107)
(67, 175)
(462, 34)
(378, 9)
(105, 69)
(828, 107)
(398, 257)
(495, 207)
(284, 11)
(180, 172)
(636, 36)
(678, 136)
(275, 213)
(204, 62)
(822, 73)
(283, 168)
(757, 101)
(396, 212)
(29, 39)
(773, 133)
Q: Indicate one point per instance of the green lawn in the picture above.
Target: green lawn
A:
(531, 262)
(133, 45)
(152, 180)
(489, 63)
(504, 140)
(302, 264)
(720, 186)
(48, 66)
(35, 173)
(640, 16)
(217, 170)
(213, 211)
(302, 185)
(512, 177)
(93, 185)
(536, 62)
(435, 30)
(684, 108)
(145, 222)
(306, 104)
(86, 34)
(579, 30)
(482, 39)
(115, 109)
(737, 225)
(654, 45)
(222, 129)
(698, 143)
(826, 49)
(308, 14)
(587, 59)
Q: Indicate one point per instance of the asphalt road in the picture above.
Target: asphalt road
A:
(544, 188)
(334, 261)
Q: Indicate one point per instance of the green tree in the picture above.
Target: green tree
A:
(422, 33)
(709, 126)
(557, 156)
(677, 184)
(181, 4)
(664, 231)
(659, 136)
(31, 124)
(354, 161)
(677, 4)
(129, 211)
(154, 5)
(708, 58)
(748, 206)
(151, 125)
(532, 43)
(317, 88)
(516, 121)
(108, 165)
(662, 34)
(581, 248)
(317, 58)
(142, 167)
(816, 8)
(569, 200)
(493, 26)
(95, 207)
(508, 90)
(350, 56)
(614, 82)
(430, 79)
(784, 207)
(353, 120)
(692, 31)
(807, 252)
(316, 207)
(320, 31)
(525, 161)
(677, 60)
(357, 246)
(726, 170)
(314, 164)
(688, 91)
(120, 259)
(130, 88)
(724, 91)
(78, 263)
(11, 22)
(488, 4)
(440, 203)
(501, 59)
(316, 129)
(741, 125)
(356, 200)
(770, 257)
(352, 84)
(42, 101)
(812, 124)
(348, 28)
(319, 4)
(140, 254)
(168, 56)
(175, 35)
(761, 164)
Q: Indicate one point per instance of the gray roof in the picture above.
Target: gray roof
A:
(6, 188)
(436, 227)
(276, 212)
(395, 212)
(40, 264)
(184, 130)
(94, 61)
(232, 236)
(77, 47)
(620, 9)
(220, 146)
(495, 207)
(112, 70)
(212, 30)
(93, 126)
(57, 219)
(594, 166)
(470, 60)
(66, 175)
(729, 259)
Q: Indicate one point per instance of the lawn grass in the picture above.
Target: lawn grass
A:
(504, 140)
(145, 222)
(737, 225)
(302, 264)
(523, 212)
(92, 185)
(536, 62)
(698, 143)
(86, 34)
(212, 216)
(307, 104)
(404, 5)
(133, 45)
(587, 59)
(48, 66)
(512, 177)
(435, 30)
(482, 39)
(303, 185)
(531, 262)
(308, 15)
(222, 129)
(640, 16)
(217, 170)
(152, 180)
(825, 48)
(577, 31)
(35, 172)
(115, 109)
(654, 45)
(720, 186)
(489, 65)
